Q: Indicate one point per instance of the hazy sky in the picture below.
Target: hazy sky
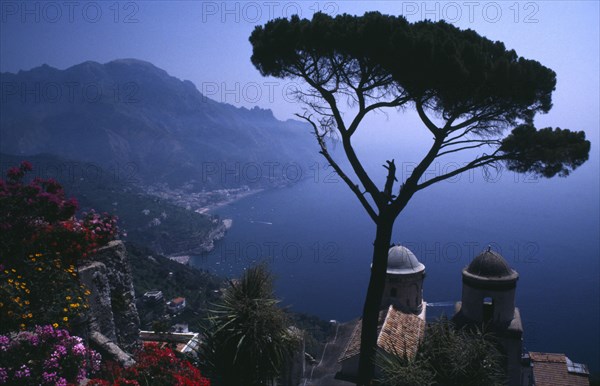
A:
(207, 43)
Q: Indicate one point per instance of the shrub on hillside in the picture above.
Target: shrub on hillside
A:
(41, 244)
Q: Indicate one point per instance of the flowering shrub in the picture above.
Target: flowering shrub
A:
(37, 217)
(154, 366)
(46, 293)
(41, 243)
(46, 356)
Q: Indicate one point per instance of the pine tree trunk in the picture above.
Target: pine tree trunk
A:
(368, 338)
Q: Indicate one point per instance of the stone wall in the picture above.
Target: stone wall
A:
(112, 316)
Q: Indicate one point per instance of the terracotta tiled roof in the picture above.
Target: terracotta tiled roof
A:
(398, 333)
(177, 300)
(551, 369)
(401, 333)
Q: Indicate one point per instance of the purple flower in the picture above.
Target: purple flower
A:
(79, 349)
(23, 372)
(48, 377)
(49, 350)
(3, 375)
(61, 382)
(4, 341)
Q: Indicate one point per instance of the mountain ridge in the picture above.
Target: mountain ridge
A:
(130, 111)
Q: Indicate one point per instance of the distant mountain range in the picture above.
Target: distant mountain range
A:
(128, 114)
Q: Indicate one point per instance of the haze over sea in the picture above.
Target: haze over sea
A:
(318, 240)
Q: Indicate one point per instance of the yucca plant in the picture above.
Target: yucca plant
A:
(398, 370)
(247, 340)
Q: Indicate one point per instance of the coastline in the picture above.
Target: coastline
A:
(212, 207)
(207, 245)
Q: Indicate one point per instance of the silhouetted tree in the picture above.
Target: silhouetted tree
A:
(467, 90)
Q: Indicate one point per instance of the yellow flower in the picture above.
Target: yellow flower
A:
(68, 297)
(38, 255)
(30, 315)
(55, 325)
(65, 319)
(65, 310)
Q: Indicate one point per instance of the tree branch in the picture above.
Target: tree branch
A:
(354, 187)
(433, 128)
(481, 161)
(479, 144)
(409, 187)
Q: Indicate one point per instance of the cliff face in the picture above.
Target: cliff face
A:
(113, 321)
(215, 235)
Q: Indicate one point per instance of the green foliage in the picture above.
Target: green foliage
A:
(458, 71)
(446, 356)
(316, 331)
(247, 340)
(178, 229)
(151, 271)
(545, 152)
(462, 357)
(400, 371)
(476, 86)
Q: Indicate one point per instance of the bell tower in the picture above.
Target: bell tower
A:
(404, 281)
(488, 303)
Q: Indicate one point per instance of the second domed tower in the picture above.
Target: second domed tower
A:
(404, 281)
(489, 290)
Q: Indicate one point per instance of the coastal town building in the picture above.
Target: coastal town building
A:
(176, 305)
(183, 342)
(557, 370)
(153, 296)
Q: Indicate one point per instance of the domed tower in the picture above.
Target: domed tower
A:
(488, 294)
(488, 299)
(404, 281)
